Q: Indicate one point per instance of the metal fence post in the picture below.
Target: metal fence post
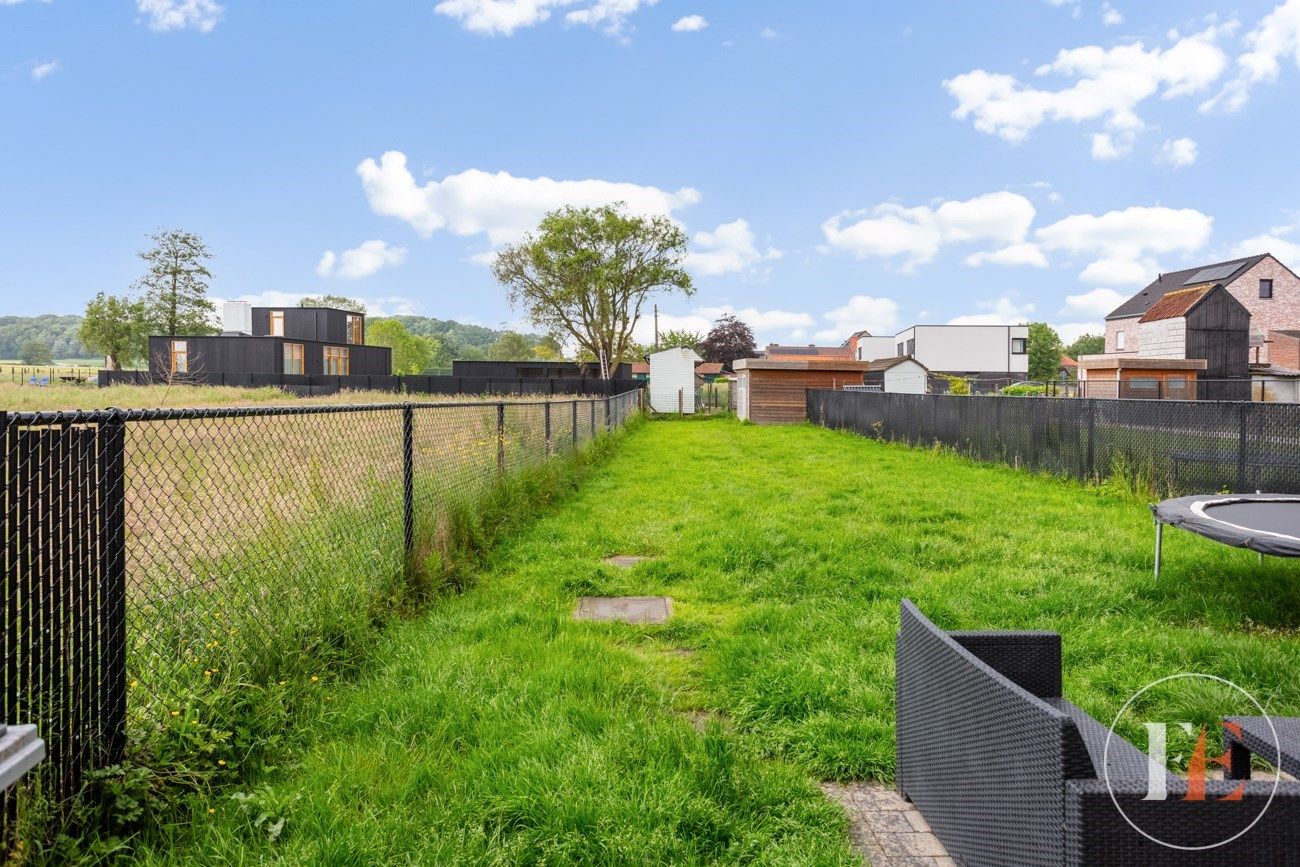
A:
(501, 439)
(550, 449)
(1091, 468)
(592, 405)
(112, 590)
(408, 479)
(607, 423)
(575, 421)
(1242, 409)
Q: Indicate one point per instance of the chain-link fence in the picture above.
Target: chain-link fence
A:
(1171, 446)
(157, 559)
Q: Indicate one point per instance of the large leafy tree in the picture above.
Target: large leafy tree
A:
(411, 353)
(587, 272)
(727, 340)
(1045, 350)
(679, 337)
(113, 327)
(511, 347)
(1087, 344)
(36, 352)
(174, 289)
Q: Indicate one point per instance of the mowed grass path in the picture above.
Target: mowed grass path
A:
(495, 729)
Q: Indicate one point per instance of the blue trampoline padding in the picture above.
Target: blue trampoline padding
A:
(1267, 523)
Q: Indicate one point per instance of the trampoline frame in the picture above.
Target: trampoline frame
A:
(1198, 508)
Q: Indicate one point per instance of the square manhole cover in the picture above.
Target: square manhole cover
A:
(628, 609)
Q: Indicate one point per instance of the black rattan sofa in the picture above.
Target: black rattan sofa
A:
(1008, 772)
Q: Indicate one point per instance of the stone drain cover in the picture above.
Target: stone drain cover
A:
(627, 609)
(625, 561)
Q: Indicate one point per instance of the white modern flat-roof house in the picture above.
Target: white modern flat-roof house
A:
(988, 352)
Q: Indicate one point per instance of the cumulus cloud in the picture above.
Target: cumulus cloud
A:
(1096, 303)
(1109, 85)
(608, 15)
(382, 305)
(690, 24)
(1014, 254)
(1275, 38)
(164, 16)
(499, 205)
(360, 261)
(1282, 241)
(1000, 311)
(40, 71)
(504, 17)
(1178, 152)
(768, 325)
(1123, 241)
(917, 234)
(727, 249)
(864, 313)
(1110, 16)
(769, 34)
(1111, 146)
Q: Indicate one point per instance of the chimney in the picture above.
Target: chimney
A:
(237, 318)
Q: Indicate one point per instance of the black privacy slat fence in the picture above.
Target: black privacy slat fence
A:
(154, 557)
(1178, 447)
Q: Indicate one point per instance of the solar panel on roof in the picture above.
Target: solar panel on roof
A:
(1207, 275)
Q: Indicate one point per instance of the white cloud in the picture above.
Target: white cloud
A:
(768, 325)
(164, 16)
(41, 70)
(1178, 152)
(383, 305)
(1000, 311)
(360, 261)
(864, 313)
(609, 15)
(17, 2)
(500, 205)
(1275, 38)
(1024, 253)
(769, 34)
(690, 24)
(1096, 303)
(1110, 16)
(1122, 241)
(1107, 146)
(1072, 331)
(1276, 241)
(499, 17)
(917, 234)
(1110, 84)
(727, 249)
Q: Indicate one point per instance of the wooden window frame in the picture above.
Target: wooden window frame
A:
(338, 361)
(272, 318)
(294, 355)
(355, 333)
(180, 350)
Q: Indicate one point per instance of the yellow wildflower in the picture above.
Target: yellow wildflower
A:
(176, 713)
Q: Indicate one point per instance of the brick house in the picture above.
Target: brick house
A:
(1269, 290)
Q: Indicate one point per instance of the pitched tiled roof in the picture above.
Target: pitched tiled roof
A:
(1174, 280)
(775, 351)
(1067, 361)
(886, 363)
(709, 368)
(640, 367)
(1177, 303)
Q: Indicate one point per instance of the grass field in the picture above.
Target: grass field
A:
(495, 729)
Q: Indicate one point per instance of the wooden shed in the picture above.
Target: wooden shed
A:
(771, 391)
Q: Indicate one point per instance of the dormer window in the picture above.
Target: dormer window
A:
(276, 328)
(355, 334)
(1265, 288)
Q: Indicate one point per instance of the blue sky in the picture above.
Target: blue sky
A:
(839, 165)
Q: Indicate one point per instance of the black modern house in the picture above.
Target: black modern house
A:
(538, 369)
(271, 341)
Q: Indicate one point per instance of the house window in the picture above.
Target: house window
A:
(180, 356)
(911, 346)
(354, 329)
(1121, 339)
(1265, 288)
(336, 361)
(900, 348)
(1019, 345)
(293, 358)
(277, 323)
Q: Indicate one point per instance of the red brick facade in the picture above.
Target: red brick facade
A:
(1281, 312)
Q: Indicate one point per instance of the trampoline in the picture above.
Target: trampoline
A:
(1264, 523)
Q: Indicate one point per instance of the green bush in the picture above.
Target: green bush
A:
(1024, 389)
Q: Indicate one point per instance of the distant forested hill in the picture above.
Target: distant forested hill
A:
(461, 340)
(60, 332)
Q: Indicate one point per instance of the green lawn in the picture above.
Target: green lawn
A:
(497, 729)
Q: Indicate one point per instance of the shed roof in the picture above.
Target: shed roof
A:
(709, 368)
(773, 350)
(1220, 272)
(1178, 302)
(887, 363)
(1067, 361)
(799, 364)
(640, 367)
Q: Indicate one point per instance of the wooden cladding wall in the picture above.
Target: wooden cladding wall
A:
(780, 396)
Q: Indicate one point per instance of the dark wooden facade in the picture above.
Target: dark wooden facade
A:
(775, 392)
(324, 324)
(536, 369)
(1218, 330)
(211, 356)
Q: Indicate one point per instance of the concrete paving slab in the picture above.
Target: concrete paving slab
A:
(625, 609)
(625, 561)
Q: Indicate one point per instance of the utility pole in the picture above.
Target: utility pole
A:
(656, 328)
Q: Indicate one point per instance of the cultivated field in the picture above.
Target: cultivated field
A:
(497, 729)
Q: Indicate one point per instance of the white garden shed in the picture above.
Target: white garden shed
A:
(900, 375)
(672, 379)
